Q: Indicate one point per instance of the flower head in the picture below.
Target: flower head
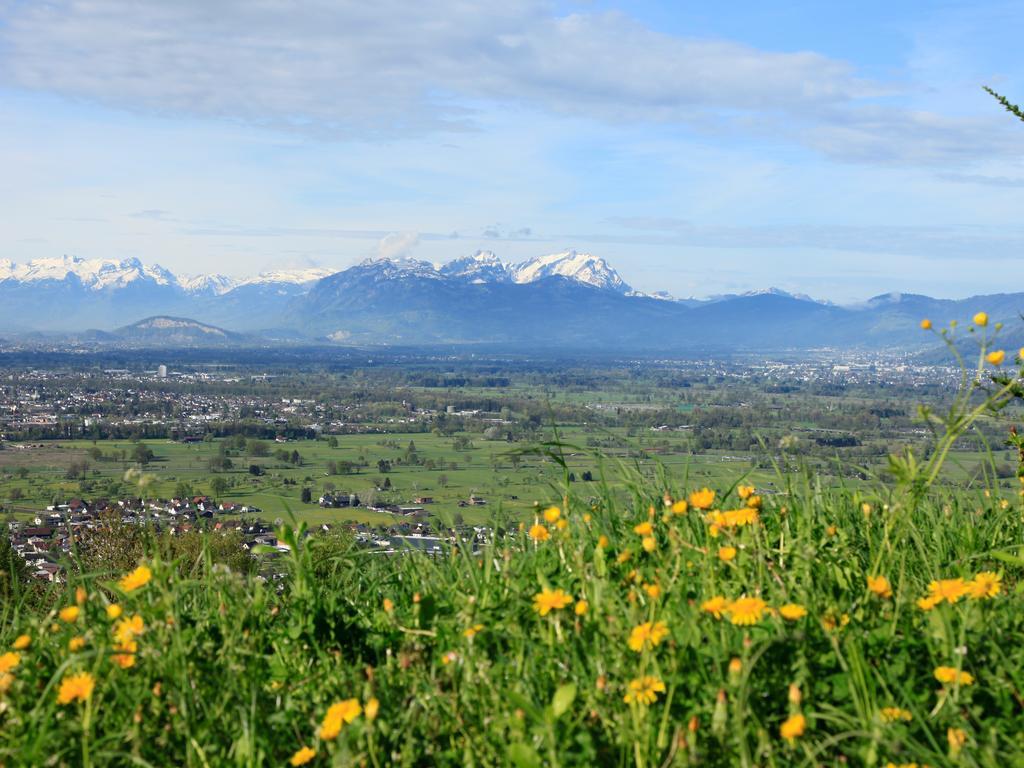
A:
(949, 590)
(725, 554)
(136, 579)
(647, 635)
(125, 659)
(644, 529)
(949, 675)
(644, 690)
(114, 611)
(894, 714)
(649, 543)
(981, 319)
(472, 631)
(716, 606)
(551, 514)
(9, 661)
(996, 357)
(793, 727)
(983, 585)
(76, 687)
(926, 324)
(76, 644)
(21, 642)
(956, 737)
(879, 585)
(702, 499)
(792, 612)
(746, 611)
(372, 707)
(548, 600)
(302, 756)
(69, 614)
(337, 715)
(539, 532)
(127, 629)
(680, 507)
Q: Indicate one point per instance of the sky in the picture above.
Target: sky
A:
(840, 149)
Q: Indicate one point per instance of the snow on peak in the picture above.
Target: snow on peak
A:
(389, 267)
(94, 274)
(290, 276)
(480, 267)
(582, 267)
(216, 285)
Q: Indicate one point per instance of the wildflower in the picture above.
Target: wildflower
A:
(581, 607)
(602, 541)
(746, 611)
(21, 642)
(551, 514)
(653, 591)
(644, 690)
(649, 543)
(725, 554)
(303, 756)
(548, 600)
(450, 657)
(644, 529)
(127, 629)
(372, 707)
(831, 623)
(114, 611)
(926, 324)
(77, 686)
(388, 605)
(125, 659)
(69, 614)
(337, 715)
(735, 666)
(947, 675)
(680, 507)
(984, 584)
(996, 357)
(9, 661)
(793, 727)
(647, 635)
(741, 517)
(792, 612)
(136, 579)
(754, 502)
(892, 714)
(865, 509)
(80, 595)
(949, 590)
(539, 532)
(927, 603)
(562, 524)
(879, 585)
(473, 631)
(623, 556)
(76, 644)
(587, 518)
(745, 491)
(981, 319)
(956, 737)
(702, 499)
(716, 606)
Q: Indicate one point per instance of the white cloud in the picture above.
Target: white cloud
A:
(350, 69)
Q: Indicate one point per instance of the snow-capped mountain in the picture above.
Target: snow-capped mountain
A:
(211, 285)
(481, 267)
(581, 267)
(288, 276)
(93, 274)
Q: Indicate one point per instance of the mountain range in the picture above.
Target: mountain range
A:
(561, 300)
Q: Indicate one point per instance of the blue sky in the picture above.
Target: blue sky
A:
(838, 149)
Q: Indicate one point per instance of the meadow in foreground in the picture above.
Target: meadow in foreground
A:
(670, 626)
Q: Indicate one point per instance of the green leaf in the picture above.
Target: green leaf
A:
(523, 755)
(563, 699)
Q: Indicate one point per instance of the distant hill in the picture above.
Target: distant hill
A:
(162, 330)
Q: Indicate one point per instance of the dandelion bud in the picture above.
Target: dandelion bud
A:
(795, 696)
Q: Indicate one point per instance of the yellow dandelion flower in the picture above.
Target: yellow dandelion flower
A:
(725, 554)
(879, 585)
(70, 614)
(956, 737)
(927, 603)
(127, 629)
(754, 502)
(647, 635)
(136, 579)
(81, 595)
(680, 507)
(996, 357)
(716, 606)
(649, 543)
(302, 756)
(746, 611)
(702, 499)
(623, 557)
(539, 532)
(548, 600)
(735, 666)
(562, 524)
(950, 675)
(114, 611)
(602, 541)
(587, 518)
(949, 590)
(926, 324)
(388, 605)
(644, 528)
(653, 590)
(581, 607)
(981, 319)
(21, 642)
(745, 491)
(125, 659)
(983, 585)
(894, 714)
(473, 631)
(76, 644)
(644, 690)
(338, 714)
(9, 661)
(76, 687)
(793, 727)
(551, 514)
(792, 612)
(372, 708)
